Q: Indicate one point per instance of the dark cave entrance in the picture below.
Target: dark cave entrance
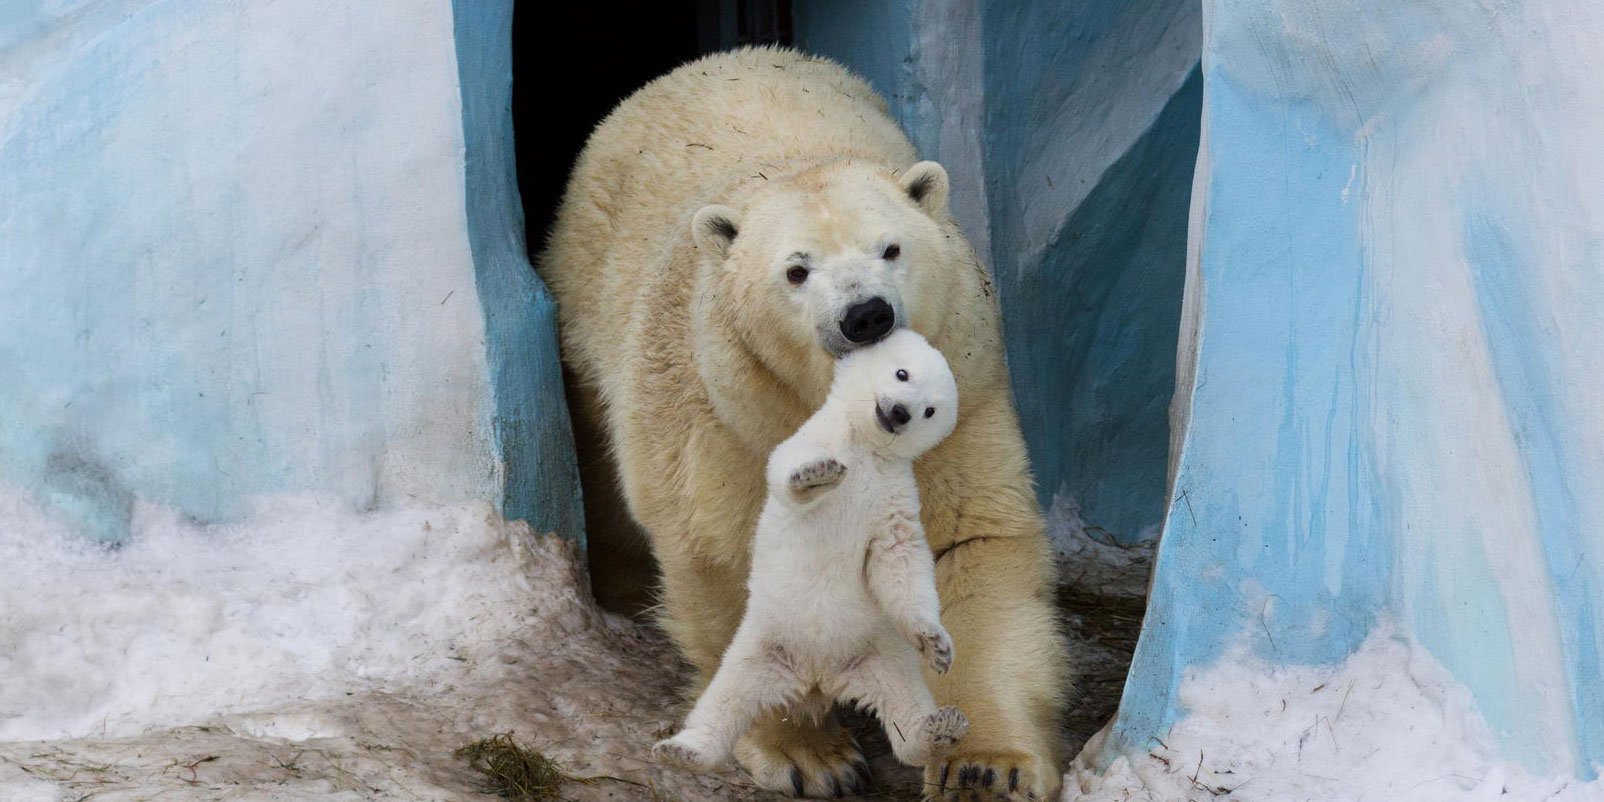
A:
(556, 101)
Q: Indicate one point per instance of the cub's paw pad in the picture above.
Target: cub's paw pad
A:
(936, 646)
(971, 776)
(816, 476)
(811, 760)
(945, 727)
(679, 753)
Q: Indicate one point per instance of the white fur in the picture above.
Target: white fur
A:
(842, 593)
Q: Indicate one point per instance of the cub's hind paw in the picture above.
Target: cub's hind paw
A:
(936, 646)
(944, 728)
(812, 479)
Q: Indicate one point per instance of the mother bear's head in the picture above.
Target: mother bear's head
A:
(830, 259)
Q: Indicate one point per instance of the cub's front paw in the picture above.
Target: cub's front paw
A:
(813, 479)
(936, 646)
(678, 751)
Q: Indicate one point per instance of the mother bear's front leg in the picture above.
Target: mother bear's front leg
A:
(994, 576)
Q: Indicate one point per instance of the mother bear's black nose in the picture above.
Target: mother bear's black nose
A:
(868, 321)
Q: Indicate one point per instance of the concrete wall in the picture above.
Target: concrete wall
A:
(250, 249)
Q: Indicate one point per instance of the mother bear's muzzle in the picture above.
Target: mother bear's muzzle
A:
(868, 322)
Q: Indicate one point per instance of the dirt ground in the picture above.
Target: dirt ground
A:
(590, 690)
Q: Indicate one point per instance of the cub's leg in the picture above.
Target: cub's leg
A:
(887, 681)
(902, 579)
(756, 675)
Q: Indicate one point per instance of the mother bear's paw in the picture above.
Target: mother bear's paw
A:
(804, 758)
(969, 775)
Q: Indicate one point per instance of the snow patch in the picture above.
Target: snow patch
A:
(308, 599)
(1388, 723)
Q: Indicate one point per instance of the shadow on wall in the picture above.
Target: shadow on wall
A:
(1092, 331)
(1071, 132)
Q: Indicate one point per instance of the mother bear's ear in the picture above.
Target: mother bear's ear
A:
(926, 184)
(714, 227)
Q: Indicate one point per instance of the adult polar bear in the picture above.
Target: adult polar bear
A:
(728, 230)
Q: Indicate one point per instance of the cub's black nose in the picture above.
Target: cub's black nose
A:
(899, 415)
(868, 322)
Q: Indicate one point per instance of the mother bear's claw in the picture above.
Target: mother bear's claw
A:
(988, 776)
(804, 759)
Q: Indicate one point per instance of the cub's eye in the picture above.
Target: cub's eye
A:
(891, 253)
(797, 274)
(930, 412)
(902, 375)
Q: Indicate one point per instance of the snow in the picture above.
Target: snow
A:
(306, 600)
(317, 652)
(1388, 723)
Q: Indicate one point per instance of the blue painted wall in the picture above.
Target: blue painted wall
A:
(1398, 258)
(252, 249)
(1387, 389)
(532, 434)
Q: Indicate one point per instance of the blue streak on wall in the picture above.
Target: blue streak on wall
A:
(1272, 532)
(531, 413)
(1521, 352)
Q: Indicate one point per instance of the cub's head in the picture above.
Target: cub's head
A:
(832, 259)
(900, 395)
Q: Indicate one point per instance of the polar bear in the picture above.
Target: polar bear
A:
(729, 231)
(843, 588)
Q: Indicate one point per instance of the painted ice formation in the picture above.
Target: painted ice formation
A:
(1390, 370)
(1070, 131)
(265, 248)
(275, 374)
(1386, 400)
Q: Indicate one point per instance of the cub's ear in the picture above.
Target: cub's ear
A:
(926, 184)
(714, 227)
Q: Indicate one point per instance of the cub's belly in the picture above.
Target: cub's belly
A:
(821, 620)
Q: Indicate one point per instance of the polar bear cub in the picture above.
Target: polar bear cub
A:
(842, 589)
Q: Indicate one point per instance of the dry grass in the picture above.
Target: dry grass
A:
(515, 772)
(512, 771)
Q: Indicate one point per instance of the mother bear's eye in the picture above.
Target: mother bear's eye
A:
(797, 274)
(902, 375)
(891, 252)
(930, 411)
